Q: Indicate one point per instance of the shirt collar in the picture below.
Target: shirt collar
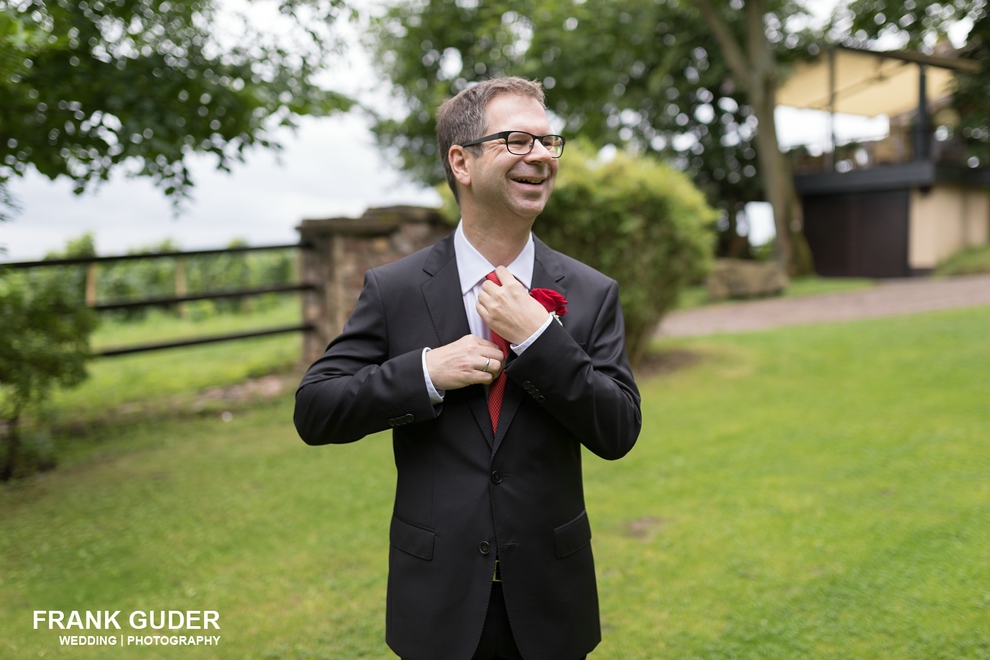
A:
(472, 267)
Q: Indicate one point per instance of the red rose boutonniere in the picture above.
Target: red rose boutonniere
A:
(551, 300)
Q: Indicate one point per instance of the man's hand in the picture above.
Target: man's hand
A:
(509, 310)
(461, 363)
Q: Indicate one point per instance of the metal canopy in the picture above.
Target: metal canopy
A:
(869, 83)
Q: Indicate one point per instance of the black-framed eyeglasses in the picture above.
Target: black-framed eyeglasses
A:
(521, 143)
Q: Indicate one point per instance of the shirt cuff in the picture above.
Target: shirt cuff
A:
(436, 396)
(519, 348)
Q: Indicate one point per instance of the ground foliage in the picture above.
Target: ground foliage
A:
(815, 492)
(88, 86)
(970, 261)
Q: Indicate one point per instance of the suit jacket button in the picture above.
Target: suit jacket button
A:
(393, 422)
(408, 419)
(527, 385)
(484, 547)
(497, 477)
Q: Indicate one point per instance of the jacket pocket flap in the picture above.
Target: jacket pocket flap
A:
(417, 541)
(572, 536)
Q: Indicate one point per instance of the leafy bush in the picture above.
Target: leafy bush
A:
(639, 221)
(44, 342)
(971, 261)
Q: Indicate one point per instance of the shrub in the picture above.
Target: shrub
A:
(971, 261)
(44, 342)
(640, 222)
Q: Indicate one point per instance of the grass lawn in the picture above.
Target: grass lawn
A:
(818, 492)
(149, 379)
(812, 285)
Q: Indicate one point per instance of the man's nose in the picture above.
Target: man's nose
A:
(539, 153)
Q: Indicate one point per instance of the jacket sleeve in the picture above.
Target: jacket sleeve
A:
(590, 390)
(355, 388)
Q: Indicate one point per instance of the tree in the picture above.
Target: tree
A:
(44, 342)
(692, 81)
(641, 74)
(627, 73)
(88, 86)
(753, 63)
(971, 94)
(920, 25)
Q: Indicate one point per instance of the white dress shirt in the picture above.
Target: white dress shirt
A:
(472, 269)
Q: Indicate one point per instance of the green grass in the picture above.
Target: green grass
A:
(697, 296)
(124, 381)
(812, 492)
(971, 261)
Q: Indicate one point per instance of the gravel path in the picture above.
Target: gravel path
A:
(888, 298)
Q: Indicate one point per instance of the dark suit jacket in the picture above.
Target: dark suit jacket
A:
(462, 495)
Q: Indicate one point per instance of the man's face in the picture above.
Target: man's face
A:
(503, 183)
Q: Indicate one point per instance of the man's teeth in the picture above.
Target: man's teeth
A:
(529, 180)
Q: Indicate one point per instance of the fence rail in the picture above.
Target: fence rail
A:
(180, 297)
(195, 341)
(79, 261)
(213, 295)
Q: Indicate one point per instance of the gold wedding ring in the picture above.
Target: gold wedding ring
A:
(488, 361)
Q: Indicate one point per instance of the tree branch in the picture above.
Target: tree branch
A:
(733, 52)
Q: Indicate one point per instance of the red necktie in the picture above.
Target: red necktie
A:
(497, 389)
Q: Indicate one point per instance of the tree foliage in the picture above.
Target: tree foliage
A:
(686, 81)
(625, 73)
(971, 94)
(916, 25)
(86, 86)
(633, 73)
(919, 25)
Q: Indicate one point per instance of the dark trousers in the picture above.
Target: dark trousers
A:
(497, 642)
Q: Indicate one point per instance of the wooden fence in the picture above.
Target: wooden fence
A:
(181, 294)
(334, 254)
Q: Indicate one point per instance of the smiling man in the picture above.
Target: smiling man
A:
(491, 387)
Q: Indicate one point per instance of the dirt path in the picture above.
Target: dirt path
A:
(888, 298)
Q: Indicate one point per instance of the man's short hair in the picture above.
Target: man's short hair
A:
(462, 118)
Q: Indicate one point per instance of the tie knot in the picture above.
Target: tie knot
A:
(492, 277)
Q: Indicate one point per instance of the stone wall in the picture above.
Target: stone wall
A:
(342, 249)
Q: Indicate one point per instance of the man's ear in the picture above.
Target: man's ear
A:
(459, 158)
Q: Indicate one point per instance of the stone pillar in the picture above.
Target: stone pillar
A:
(342, 249)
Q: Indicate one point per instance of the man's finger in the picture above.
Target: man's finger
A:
(504, 276)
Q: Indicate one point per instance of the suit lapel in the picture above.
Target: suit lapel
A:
(547, 274)
(446, 304)
(443, 293)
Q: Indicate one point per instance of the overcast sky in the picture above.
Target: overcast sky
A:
(330, 167)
